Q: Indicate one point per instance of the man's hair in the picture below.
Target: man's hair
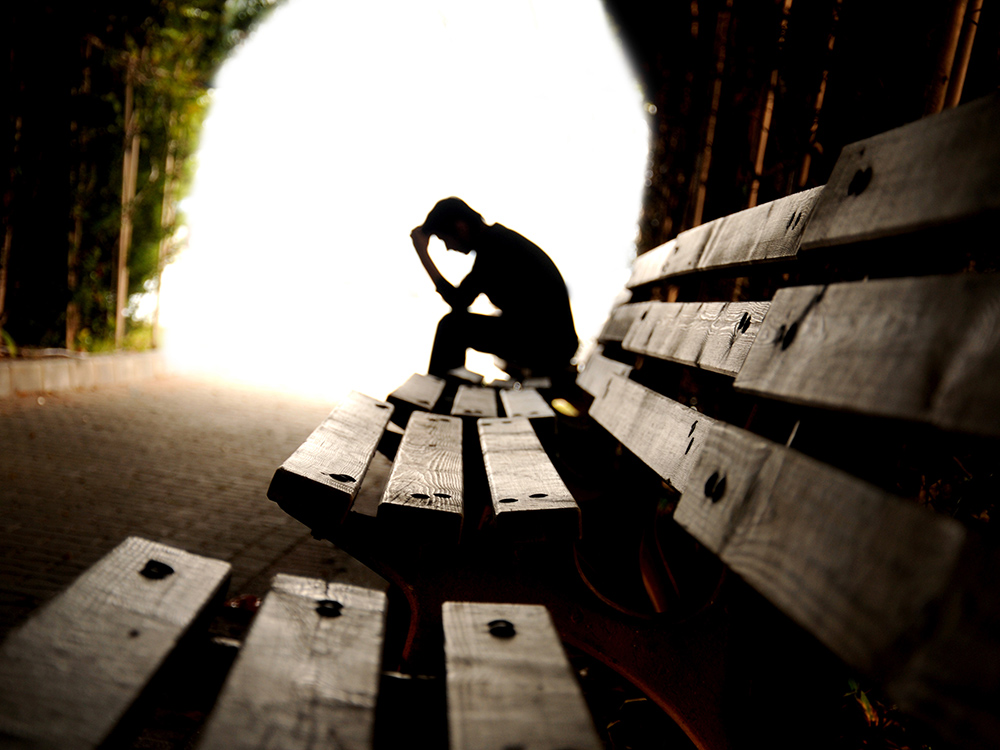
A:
(445, 214)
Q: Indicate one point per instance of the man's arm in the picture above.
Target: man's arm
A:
(450, 294)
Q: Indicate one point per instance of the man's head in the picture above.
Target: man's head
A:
(455, 223)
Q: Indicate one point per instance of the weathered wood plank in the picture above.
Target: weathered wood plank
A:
(319, 481)
(419, 393)
(876, 578)
(424, 493)
(474, 402)
(714, 336)
(530, 500)
(594, 376)
(308, 673)
(618, 322)
(69, 674)
(925, 349)
(934, 171)
(765, 233)
(525, 402)
(666, 435)
(648, 267)
(509, 683)
(768, 232)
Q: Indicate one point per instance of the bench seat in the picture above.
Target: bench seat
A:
(309, 672)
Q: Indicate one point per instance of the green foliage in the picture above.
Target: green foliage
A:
(8, 343)
(165, 53)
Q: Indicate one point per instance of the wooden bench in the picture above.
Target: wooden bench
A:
(79, 673)
(775, 396)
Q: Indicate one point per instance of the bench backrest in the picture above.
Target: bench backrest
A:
(780, 367)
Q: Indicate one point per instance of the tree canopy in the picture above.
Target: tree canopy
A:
(102, 105)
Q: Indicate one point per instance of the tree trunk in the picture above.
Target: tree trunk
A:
(964, 52)
(765, 120)
(130, 174)
(705, 158)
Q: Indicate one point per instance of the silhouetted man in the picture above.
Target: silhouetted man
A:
(534, 331)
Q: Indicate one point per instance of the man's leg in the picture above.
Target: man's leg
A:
(458, 331)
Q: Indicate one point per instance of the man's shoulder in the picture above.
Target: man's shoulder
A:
(501, 237)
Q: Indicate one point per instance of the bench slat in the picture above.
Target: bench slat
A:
(425, 485)
(862, 570)
(765, 233)
(530, 500)
(419, 392)
(474, 401)
(307, 674)
(69, 674)
(666, 435)
(714, 336)
(525, 402)
(618, 322)
(594, 376)
(512, 689)
(936, 170)
(319, 481)
(923, 349)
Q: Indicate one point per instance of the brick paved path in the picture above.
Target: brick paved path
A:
(178, 460)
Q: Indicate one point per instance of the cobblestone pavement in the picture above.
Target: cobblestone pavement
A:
(178, 460)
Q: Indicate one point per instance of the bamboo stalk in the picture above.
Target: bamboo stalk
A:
(76, 238)
(765, 120)
(705, 158)
(964, 52)
(938, 87)
(820, 95)
(167, 214)
(130, 173)
(8, 240)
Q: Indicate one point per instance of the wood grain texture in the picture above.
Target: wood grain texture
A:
(319, 481)
(69, 674)
(648, 267)
(530, 500)
(666, 435)
(474, 402)
(858, 568)
(525, 402)
(304, 679)
(925, 349)
(598, 371)
(425, 488)
(714, 336)
(418, 392)
(765, 233)
(768, 232)
(934, 171)
(618, 322)
(517, 691)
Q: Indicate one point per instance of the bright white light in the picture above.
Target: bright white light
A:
(338, 126)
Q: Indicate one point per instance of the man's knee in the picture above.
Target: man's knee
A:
(454, 323)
